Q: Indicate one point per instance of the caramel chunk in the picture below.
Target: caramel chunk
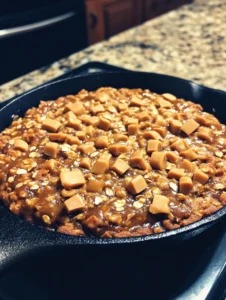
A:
(186, 185)
(94, 121)
(160, 121)
(161, 130)
(169, 97)
(73, 98)
(73, 121)
(153, 145)
(172, 157)
(120, 166)
(74, 203)
(103, 97)
(205, 134)
(71, 179)
(21, 145)
(101, 166)
(89, 131)
(137, 160)
(51, 149)
(207, 120)
(164, 103)
(143, 116)
(60, 137)
(118, 137)
(158, 160)
(200, 177)
(189, 154)
(72, 140)
(187, 165)
(50, 165)
(51, 125)
(122, 106)
(85, 163)
(145, 125)
(190, 126)
(175, 126)
(152, 135)
(87, 148)
(131, 121)
(95, 186)
(117, 149)
(133, 129)
(179, 145)
(135, 101)
(203, 120)
(97, 109)
(77, 108)
(160, 205)
(81, 135)
(101, 142)
(104, 124)
(85, 119)
(176, 173)
(136, 185)
(106, 156)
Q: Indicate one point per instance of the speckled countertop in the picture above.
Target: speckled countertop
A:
(189, 42)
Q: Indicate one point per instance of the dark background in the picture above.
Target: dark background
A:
(25, 52)
(92, 22)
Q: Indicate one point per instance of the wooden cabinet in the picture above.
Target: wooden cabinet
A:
(121, 15)
(154, 8)
(109, 17)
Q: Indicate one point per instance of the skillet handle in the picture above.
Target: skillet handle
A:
(13, 239)
(18, 237)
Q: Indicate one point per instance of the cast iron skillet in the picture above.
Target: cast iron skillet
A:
(17, 237)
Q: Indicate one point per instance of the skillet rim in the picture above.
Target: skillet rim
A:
(123, 71)
(207, 220)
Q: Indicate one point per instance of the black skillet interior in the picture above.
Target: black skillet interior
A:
(17, 236)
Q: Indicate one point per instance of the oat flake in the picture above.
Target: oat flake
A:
(21, 171)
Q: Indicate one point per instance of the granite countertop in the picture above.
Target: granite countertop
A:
(189, 42)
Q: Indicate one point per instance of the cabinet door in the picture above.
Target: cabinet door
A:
(173, 4)
(121, 15)
(154, 8)
(108, 17)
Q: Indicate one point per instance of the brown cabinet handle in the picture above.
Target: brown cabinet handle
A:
(94, 20)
